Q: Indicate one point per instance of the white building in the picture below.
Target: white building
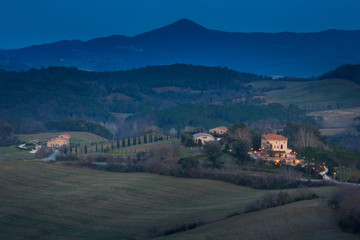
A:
(203, 138)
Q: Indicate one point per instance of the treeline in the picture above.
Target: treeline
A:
(348, 71)
(209, 116)
(79, 126)
(7, 137)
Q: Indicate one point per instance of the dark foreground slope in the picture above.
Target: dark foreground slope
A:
(49, 201)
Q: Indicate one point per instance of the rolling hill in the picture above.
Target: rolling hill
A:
(286, 53)
(169, 96)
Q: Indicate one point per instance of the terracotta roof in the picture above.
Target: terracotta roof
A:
(221, 127)
(66, 135)
(274, 137)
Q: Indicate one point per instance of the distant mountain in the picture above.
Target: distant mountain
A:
(291, 54)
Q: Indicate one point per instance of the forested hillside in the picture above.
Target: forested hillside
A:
(59, 93)
(348, 71)
(271, 116)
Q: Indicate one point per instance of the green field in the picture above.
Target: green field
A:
(48, 201)
(14, 153)
(319, 93)
(76, 137)
(51, 201)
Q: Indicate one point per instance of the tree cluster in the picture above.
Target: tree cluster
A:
(7, 137)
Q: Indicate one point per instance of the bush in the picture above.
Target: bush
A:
(346, 201)
(212, 150)
(43, 152)
(275, 199)
(68, 157)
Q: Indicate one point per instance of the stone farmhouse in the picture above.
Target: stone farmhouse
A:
(274, 145)
(274, 148)
(203, 138)
(59, 141)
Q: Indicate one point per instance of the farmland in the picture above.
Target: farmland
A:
(51, 201)
(48, 201)
(312, 94)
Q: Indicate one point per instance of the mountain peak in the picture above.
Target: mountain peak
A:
(182, 27)
(185, 23)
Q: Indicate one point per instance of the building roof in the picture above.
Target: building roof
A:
(221, 127)
(203, 135)
(274, 137)
(65, 135)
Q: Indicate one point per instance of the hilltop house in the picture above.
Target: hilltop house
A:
(274, 145)
(59, 141)
(203, 138)
(219, 130)
(274, 148)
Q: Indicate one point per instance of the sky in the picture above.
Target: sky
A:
(29, 22)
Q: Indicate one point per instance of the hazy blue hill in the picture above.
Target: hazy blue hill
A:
(295, 54)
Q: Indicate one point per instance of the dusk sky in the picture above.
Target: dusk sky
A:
(25, 22)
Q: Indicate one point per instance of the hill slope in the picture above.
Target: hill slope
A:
(168, 96)
(304, 220)
(299, 54)
(57, 93)
(59, 202)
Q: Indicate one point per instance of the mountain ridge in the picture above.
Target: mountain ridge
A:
(184, 41)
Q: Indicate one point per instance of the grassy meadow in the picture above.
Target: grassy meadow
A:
(14, 153)
(337, 118)
(76, 137)
(49, 201)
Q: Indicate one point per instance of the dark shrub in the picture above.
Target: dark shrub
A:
(346, 201)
